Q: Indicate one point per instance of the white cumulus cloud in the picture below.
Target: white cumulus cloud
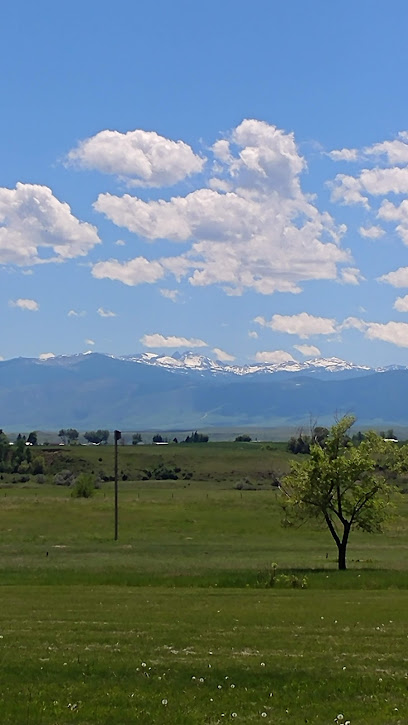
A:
(398, 278)
(74, 313)
(222, 355)
(253, 334)
(395, 151)
(253, 229)
(34, 222)
(157, 340)
(170, 294)
(134, 272)
(303, 324)
(401, 304)
(394, 332)
(24, 304)
(308, 350)
(343, 154)
(89, 342)
(375, 182)
(351, 275)
(372, 232)
(274, 356)
(389, 176)
(46, 356)
(105, 313)
(142, 158)
(392, 213)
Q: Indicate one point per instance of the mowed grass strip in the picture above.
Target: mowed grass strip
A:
(118, 655)
(202, 534)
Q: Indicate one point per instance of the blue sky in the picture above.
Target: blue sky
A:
(220, 176)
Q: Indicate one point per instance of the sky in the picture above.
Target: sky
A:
(225, 177)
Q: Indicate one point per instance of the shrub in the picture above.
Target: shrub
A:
(37, 465)
(245, 485)
(164, 473)
(84, 486)
(64, 478)
(271, 578)
(24, 467)
(245, 438)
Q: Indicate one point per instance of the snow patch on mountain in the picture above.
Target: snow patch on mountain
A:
(190, 361)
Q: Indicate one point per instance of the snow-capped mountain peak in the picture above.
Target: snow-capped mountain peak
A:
(191, 362)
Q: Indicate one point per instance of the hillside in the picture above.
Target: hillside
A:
(96, 390)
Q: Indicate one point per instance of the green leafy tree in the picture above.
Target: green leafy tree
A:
(68, 435)
(244, 438)
(299, 444)
(341, 486)
(32, 438)
(357, 438)
(4, 451)
(21, 453)
(38, 465)
(388, 434)
(319, 435)
(97, 436)
(196, 438)
(136, 438)
(72, 435)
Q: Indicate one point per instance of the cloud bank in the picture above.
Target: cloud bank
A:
(36, 227)
(141, 158)
(251, 227)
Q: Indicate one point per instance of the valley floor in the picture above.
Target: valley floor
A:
(175, 623)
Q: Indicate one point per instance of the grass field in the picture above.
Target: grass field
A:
(173, 623)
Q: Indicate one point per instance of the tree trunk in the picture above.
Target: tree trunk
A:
(342, 547)
(342, 556)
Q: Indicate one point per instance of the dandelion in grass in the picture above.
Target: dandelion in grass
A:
(234, 714)
(164, 701)
(262, 664)
(263, 714)
(232, 686)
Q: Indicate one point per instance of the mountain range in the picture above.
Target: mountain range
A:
(190, 391)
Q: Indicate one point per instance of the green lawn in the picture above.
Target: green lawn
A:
(173, 623)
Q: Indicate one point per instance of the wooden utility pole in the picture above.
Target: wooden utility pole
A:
(117, 435)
